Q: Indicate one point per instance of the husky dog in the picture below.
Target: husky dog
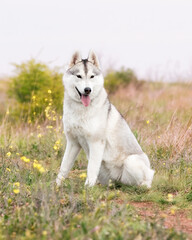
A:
(91, 122)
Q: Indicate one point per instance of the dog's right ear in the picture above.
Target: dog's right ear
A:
(75, 59)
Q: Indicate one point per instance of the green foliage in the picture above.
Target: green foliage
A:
(115, 79)
(34, 87)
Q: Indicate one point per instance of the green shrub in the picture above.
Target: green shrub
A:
(34, 87)
(114, 80)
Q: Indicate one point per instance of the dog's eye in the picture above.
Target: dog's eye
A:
(79, 76)
(92, 76)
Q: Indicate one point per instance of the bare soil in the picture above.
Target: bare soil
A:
(177, 219)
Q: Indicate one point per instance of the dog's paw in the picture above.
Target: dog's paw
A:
(90, 182)
(59, 179)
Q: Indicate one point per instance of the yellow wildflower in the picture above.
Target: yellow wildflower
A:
(16, 191)
(58, 142)
(29, 121)
(39, 135)
(8, 154)
(170, 197)
(50, 104)
(147, 121)
(55, 147)
(17, 184)
(17, 154)
(7, 112)
(9, 200)
(49, 127)
(8, 169)
(33, 97)
(46, 99)
(173, 209)
(41, 169)
(44, 233)
(83, 175)
(24, 159)
(49, 91)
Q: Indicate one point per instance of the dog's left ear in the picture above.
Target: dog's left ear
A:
(93, 59)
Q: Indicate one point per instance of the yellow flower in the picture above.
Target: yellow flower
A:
(58, 142)
(49, 91)
(24, 159)
(8, 154)
(34, 113)
(46, 99)
(41, 169)
(17, 154)
(173, 209)
(33, 97)
(39, 135)
(8, 169)
(170, 197)
(147, 121)
(38, 166)
(55, 147)
(29, 121)
(10, 147)
(7, 112)
(50, 104)
(49, 127)
(44, 233)
(16, 191)
(17, 184)
(9, 200)
(83, 175)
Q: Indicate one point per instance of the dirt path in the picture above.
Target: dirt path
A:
(171, 217)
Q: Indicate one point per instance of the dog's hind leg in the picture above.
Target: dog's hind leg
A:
(137, 171)
(104, 175)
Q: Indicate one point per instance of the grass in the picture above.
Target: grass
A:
(32, 207)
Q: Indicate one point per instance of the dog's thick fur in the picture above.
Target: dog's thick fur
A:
(91, 122)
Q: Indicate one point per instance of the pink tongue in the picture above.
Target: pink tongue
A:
(85, 100)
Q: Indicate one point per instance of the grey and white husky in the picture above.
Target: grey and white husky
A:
(91, 122)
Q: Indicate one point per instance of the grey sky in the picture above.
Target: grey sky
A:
(154, 37)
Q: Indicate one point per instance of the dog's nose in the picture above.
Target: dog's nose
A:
(87, 90)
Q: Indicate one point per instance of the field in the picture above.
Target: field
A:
(32, 207)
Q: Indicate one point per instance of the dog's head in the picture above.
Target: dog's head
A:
(83, 80)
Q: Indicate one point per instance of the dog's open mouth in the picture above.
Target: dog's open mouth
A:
(85, 99)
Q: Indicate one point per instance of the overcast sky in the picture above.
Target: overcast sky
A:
(154, 37)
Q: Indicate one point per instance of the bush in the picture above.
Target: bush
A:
(114, 80)
(34, 87)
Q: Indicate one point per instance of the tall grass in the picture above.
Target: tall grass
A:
(32, 207)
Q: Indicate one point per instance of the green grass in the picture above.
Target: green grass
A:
(40, 210)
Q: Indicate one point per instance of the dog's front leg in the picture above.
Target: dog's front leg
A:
(96, 150)
(71, 152)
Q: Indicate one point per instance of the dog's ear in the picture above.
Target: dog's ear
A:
(93, 59)
(75, 59)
